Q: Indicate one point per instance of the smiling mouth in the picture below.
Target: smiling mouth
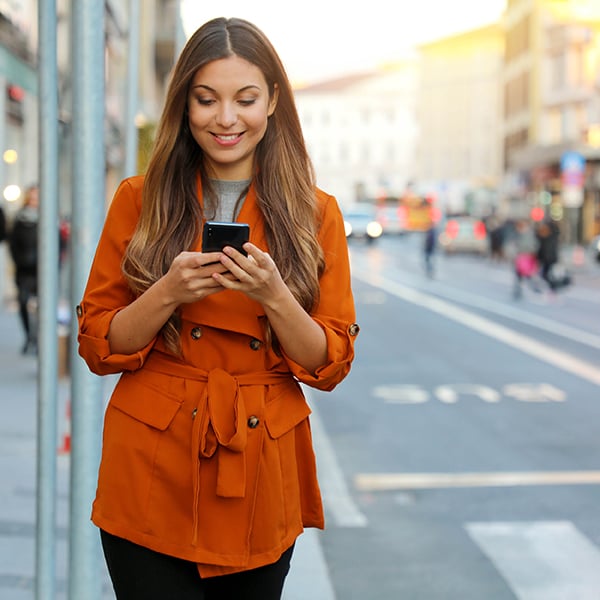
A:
(230, 137)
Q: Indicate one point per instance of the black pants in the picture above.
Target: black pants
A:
(138, 573)
(27, 288)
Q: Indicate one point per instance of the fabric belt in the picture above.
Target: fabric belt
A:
(220, 423)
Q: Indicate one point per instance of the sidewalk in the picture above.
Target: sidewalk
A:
(18, 451)
(18, 393)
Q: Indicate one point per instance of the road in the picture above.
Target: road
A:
(461, 457)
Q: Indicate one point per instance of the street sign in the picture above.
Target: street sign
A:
(572, 166)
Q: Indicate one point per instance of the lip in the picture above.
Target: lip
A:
(227, 139)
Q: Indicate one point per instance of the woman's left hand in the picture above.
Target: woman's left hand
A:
(256, 275)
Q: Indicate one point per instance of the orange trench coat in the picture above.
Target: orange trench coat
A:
(209, 457)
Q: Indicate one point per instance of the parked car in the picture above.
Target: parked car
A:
(392, 219)
(360, 222)
(463, 234)
(595, 248)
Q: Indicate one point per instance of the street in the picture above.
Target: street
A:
(459, 459)
(466, 435)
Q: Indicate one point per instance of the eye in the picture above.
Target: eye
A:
(248, 102)
(204, 101)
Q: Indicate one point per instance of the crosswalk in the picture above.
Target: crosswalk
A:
(541, 560)
(538, 560)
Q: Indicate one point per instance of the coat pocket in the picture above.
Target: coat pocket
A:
(286, 410)
(150, 405)
(137, 445)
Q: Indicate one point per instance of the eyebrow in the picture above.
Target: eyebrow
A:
(243, 89)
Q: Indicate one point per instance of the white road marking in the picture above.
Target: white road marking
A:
(401, 394)
(530, 392)
(308, 576)
(336, 497)
(412, 393)
(378, 482)
(542, 560)
(449, 393)
(522, 316)
(543, 352)
(507, 277)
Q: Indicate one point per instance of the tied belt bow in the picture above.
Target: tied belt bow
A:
(222, 423)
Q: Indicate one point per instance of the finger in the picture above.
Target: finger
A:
(216, 267)
(207, 258)
(262, 259)
(233, 260)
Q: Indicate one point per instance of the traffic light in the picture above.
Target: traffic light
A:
(15, 96)
(537, 213)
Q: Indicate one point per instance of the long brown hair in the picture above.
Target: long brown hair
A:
(171, 215)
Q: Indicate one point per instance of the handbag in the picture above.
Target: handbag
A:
(526, 264)
(559, 276)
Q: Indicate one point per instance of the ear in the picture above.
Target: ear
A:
(273, 100)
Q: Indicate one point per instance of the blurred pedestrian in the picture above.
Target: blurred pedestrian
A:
(23, 243)
(208, 472)
(525, 259)
(2, 225)
(64, 237)
(547, 234)
(429, 246)
(496, 233)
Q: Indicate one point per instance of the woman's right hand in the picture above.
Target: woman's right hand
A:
(189, 277)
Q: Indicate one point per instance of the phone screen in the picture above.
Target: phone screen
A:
(217, 235)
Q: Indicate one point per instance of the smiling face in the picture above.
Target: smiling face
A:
(228, 109)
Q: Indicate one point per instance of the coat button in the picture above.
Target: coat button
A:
(196, 333)
(253, 422)
(194, 413)
(255, 344)
(353, 329)
(79, 310)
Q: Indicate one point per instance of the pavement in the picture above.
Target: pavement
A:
(18, 451)
(18, 502)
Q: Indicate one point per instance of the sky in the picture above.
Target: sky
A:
(318, 39)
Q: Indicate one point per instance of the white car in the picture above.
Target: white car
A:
(595, 248)
(360, 222)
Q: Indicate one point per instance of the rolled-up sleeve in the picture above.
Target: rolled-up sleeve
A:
(107, 291)
(335, 312)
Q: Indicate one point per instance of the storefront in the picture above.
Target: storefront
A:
(562, 182)
(18, 116)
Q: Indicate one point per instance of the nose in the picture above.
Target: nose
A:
(226, 115)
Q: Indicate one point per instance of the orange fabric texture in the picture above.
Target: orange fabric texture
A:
(209, 457)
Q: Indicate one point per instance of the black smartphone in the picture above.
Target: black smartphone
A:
(217, 235)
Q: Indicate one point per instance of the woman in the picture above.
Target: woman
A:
(208, 473)
(525, 262)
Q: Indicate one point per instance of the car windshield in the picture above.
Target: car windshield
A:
(366, 212)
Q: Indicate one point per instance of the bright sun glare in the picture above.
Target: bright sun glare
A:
(318, 39)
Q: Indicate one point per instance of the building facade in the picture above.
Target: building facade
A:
(361, 131)
(459, 112)
(18, 101)
(160, 29)
(552, 112)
